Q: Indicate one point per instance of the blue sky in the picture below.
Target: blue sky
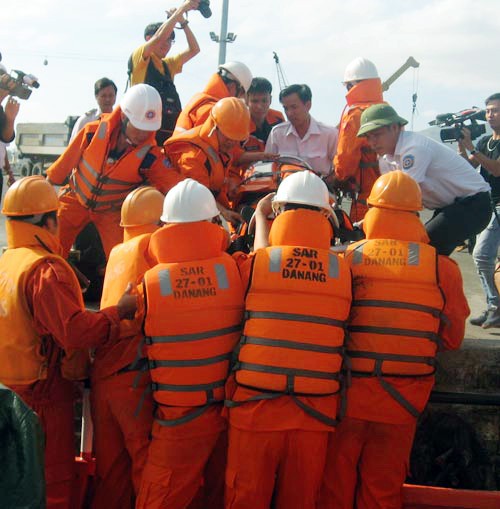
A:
(455, 41)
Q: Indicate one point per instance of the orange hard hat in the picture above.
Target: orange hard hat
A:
(232, 118)
(396, 190)
(30, 196)
(141, 207)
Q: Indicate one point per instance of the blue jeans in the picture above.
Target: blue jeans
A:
(485, 256)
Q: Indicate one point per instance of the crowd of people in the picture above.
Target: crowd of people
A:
(288, 377)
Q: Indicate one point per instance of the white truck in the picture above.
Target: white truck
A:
(40, 144)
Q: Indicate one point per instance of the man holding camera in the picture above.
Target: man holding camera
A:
(7, 133)
(459, 197)
(149, 63)
(486, 154)
(9, 114)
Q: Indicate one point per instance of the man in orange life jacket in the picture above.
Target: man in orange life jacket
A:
(122, 413)
(232, 79)
(105, 162)
(193, 302)
(284, 393)
(43, 321)
(204, 153)
(408, 303)
(355, 163)
(262, 120)
(150, 64)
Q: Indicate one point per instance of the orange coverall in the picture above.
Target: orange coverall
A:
(195, 154)
(368, 456)
(122, 411)
(186, 461)
(74, 214)
(198, 108)
(355, 160)
(277, 450)
(64, 323)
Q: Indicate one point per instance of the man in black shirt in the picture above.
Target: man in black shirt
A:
(487, 155)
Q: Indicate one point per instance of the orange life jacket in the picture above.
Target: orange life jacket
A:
(25, 354)
(190, 115)
(194, 309)
(102, 184)
(197, 139)
(396, 310)
(296, 309)
(360, 97)
(127, 263)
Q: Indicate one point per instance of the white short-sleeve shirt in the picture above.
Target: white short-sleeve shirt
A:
(317, 147)
(443, 174)
(82, 121)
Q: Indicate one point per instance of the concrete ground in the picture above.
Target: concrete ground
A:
(472, 286)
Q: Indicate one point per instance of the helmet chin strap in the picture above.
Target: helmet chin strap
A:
(125, 123)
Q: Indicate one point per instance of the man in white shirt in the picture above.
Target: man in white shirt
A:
(302, 135)
(105, 95)
(459, 196)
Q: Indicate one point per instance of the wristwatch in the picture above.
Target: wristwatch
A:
(473, 152)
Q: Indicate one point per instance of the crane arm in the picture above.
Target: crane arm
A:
(411, 62)
(282, 81)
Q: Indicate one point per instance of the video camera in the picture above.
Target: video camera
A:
(457, 120)
(19, 85)
(204, 8)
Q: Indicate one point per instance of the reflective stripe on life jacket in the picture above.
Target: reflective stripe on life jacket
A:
(297, 304)
(396, 309)
(103, 184)
(193, 321)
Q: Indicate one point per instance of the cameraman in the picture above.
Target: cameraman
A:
(486, 154)
(7, 116)
(150, 64)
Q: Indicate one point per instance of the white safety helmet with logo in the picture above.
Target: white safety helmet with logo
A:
(188, 202)
(360, 69)
(141, 104)
(237, 71)
(303, 188)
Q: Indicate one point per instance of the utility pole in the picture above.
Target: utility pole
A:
(224, 36)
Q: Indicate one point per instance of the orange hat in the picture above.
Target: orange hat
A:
(30, 196)
(396, 190)
(232, 118)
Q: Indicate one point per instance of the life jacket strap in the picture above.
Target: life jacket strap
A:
(295, 317)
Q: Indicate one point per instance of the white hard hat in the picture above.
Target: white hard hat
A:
(141, 104)
(187, 202)
(303, 188)
(360, 69)
(238, 71)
